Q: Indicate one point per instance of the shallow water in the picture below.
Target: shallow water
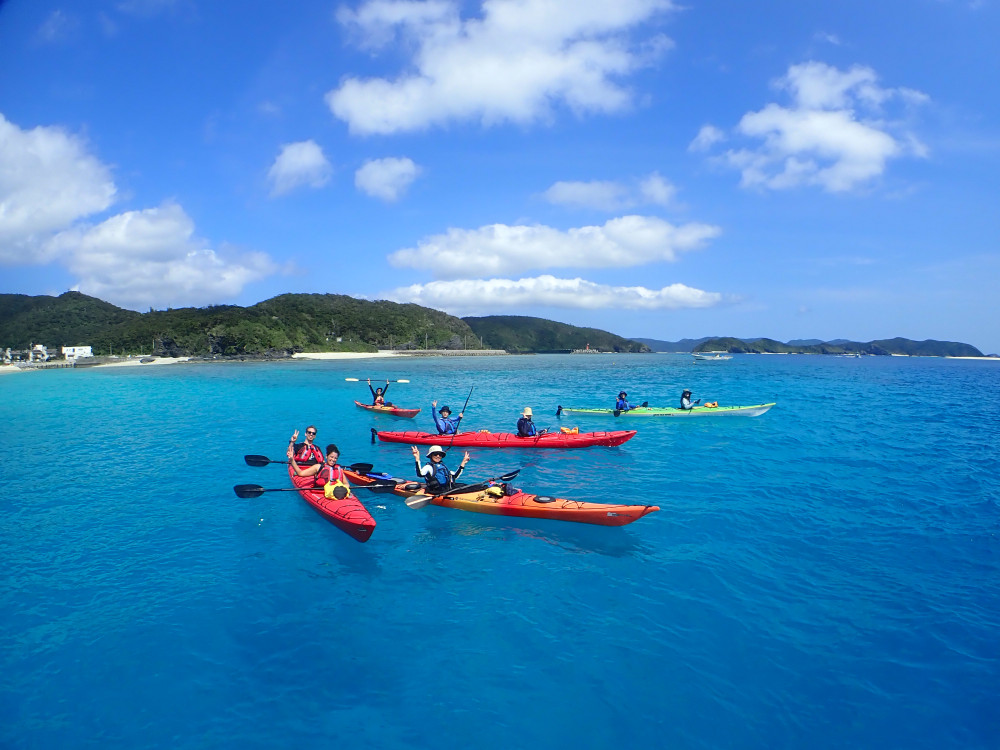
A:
(825, 575)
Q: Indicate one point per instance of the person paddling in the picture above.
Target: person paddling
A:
(686, 403)
(305, 452)
(445, 423)
(324, 474)
(525, 427)
(436, 475)
(378, 394)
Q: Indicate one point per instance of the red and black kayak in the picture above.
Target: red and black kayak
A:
(395, 411)
(485, 439)
(502, 501)
(348, 514)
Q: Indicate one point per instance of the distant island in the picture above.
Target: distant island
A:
(297, 323)
(881, 347)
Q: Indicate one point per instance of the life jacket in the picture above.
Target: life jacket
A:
(569, 430)
(711, 404)
(441, 479)
(621, 405)
(526, 428)
(331, 478)
(304, 452)
(379, 400)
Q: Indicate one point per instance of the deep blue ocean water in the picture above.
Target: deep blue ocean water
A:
(826, 575)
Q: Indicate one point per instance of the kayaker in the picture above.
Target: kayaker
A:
(525, 427)
(324, 473)
(378, 394)
(686, 404)
(622, 403)
(445, 423)
(306, 451)
(436, 475)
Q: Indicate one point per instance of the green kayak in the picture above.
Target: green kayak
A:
(664, 411)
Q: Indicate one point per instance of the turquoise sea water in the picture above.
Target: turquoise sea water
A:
(826, 575)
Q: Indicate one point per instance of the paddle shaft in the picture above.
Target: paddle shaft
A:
(459, 422)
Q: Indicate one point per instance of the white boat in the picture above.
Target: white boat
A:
(711, 356)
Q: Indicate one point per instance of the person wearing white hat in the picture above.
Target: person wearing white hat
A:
(436, 475)
(525, 427)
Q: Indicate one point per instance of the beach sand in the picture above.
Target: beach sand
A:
(137, 361)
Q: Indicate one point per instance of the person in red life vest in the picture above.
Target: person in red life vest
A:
(325, 473)
(305, 452)
(378, 394)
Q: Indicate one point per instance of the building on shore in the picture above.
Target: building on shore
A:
(72, 353)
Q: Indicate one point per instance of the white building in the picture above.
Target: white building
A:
(76, 352)
(38, 353)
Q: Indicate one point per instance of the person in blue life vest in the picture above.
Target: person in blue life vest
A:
(305, 452)
(378, 394)
(686, 403)
(327, 472)
(437, 476)
(525, 427)
(622, 403)
(445, 423)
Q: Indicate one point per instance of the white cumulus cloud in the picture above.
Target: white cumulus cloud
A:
(48, 180)
(500, 249)
(707, 137)
(386, 178)
(299, 164)
(152, 258)
(478, 297)
(834, 134)
(513, 63)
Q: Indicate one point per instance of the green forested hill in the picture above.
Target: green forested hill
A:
(928, 348)
(525, 334)
(299, 322)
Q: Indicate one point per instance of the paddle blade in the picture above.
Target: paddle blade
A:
(417, 501)
(352, 380)
(257, 460)
(361, 468)
(248, 490)
(402, 381)
(508, 477)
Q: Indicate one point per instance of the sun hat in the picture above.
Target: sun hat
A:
(687, 391)
(435, 449)
(526, 412)
(444, 409)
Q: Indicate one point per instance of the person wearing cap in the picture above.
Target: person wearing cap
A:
(622, 403)
(686, 404)
(437, 476)
(445, 423)
(525, 427)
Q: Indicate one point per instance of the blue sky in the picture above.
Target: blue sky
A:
(655, 169)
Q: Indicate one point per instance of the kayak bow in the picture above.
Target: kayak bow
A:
(348, 514)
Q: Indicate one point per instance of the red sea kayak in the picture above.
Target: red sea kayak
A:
(395, 411)
(523, 504)
(348, 515)
(510, 440)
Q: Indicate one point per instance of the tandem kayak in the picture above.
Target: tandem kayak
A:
(664, 411)
(509, 440)
(521, 504)
(348, 515)
(396, 411)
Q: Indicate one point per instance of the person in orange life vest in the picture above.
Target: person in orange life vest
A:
(305, 452)
(324, 473)
(378, 394)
